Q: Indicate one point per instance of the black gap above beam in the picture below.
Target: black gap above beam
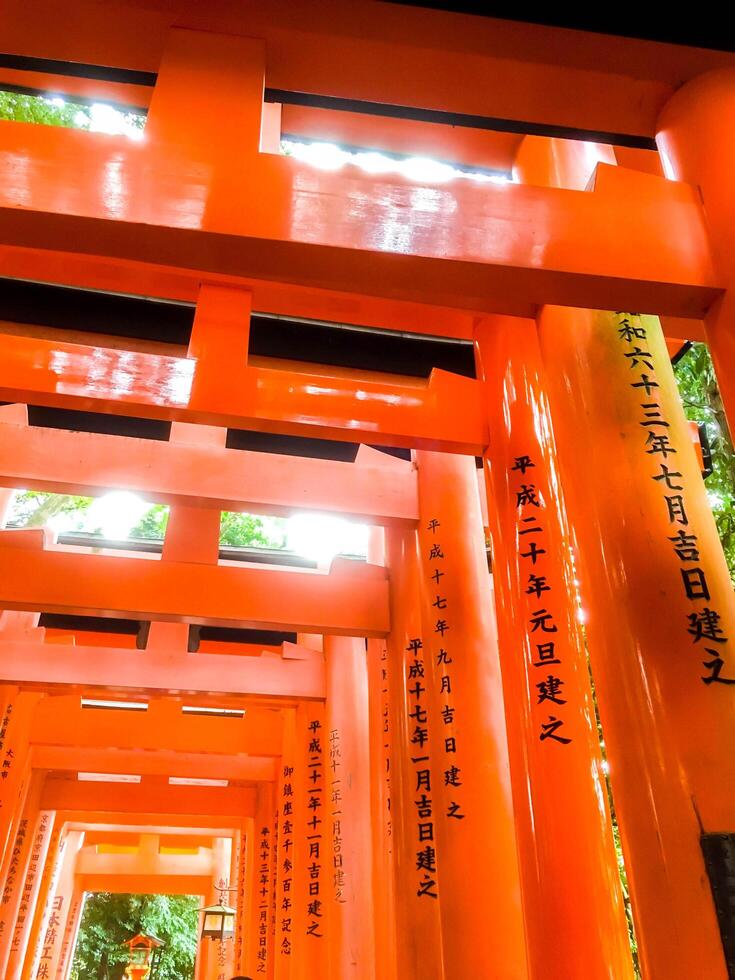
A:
(522, 127)
(229, 634)
(89, 624)
(137, 318)
(114, 425)
(78, 69)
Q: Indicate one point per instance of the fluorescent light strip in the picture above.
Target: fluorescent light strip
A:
(200, 709)
(186, 781)
(120, 705)
(106, 777)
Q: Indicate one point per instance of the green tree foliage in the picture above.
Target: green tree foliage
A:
(32, 508)
(249, 531)
(18, 107)
(109, 920)
(700, 396)
(22, 107)
(152, 524)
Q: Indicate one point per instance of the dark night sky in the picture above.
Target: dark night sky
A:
(706, 30)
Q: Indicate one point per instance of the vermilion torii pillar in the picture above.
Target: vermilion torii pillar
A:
(417, 888)
(49, 881)
(696, 143)
(661, 619)
(380, 787)
(258, 939)
(64, 914)
(284, 852)
(573, 900)
(39, 845)
(347, 811)
(15, 877)
(312, 843)
(472, 823)
(17, 719)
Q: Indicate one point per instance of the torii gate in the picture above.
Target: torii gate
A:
(418, 793)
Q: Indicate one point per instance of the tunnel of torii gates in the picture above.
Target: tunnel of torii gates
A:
(394, 767)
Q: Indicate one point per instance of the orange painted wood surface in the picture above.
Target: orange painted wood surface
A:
(443, 413)
(351, 599)
(593, 81)
(86, 463)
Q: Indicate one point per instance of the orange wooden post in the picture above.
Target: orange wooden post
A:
(218, 954)
(573, 900)
(71, 932)
(259, 953)
(234, 898)
(219, 341)
(245, 896)
(49, 881)
(473, 819)
(347, 811)
(15, 876)
(40, 839)
(552, 162)
(14, 754)
(697, 145)
(54, 947)
(418, 920)
(13, 414)
(312, 843)
(14, 724)
(380, 789)
(284, 871)
(661, 619)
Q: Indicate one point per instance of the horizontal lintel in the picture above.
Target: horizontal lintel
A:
(58, 461)
(51, 666)
(352, 600)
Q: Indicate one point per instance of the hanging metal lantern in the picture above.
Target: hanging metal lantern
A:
(218, 922)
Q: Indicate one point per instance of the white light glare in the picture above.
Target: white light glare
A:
(325, 156)
(374, 163)
(193, 781)
(106, 119)
(194, 709)
(106, 777)
(422, 170)
(122, 705)
(320, 538)
(426, 171)
(116, 514)
(58, 102)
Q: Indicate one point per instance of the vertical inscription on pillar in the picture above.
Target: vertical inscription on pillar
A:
(338, 863)
(314, 803)
(264, 893)
(448, 740)
(285, 856)
(33, 863)
(275, 852)
(50, 939)
(703, 622)
(223, 885)
(5, 754)
(14, 860)
(547, 660)
(418, 716)
(384, 704)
